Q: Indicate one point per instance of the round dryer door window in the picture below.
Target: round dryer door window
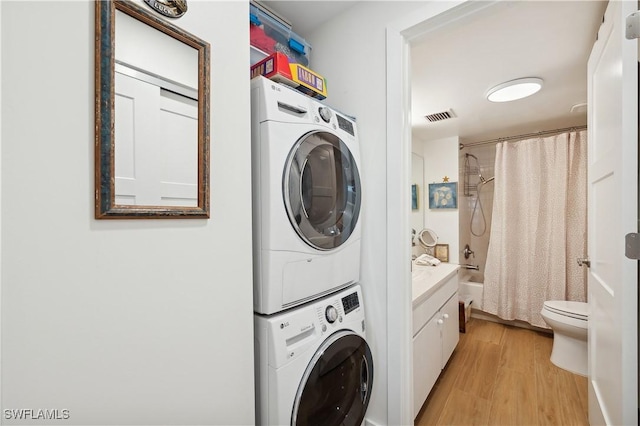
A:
(336, 386)
(322, 190)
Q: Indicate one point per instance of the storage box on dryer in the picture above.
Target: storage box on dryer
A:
(277, 68)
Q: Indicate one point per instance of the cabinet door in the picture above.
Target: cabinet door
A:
(450, 328)
(427, 361)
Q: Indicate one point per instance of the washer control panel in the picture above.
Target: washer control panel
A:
(350, 302)
(331, 314)
(337, 310)
(290, 334)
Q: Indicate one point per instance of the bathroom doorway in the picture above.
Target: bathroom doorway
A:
(399, 39)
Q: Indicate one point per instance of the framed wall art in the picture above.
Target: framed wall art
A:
(443, 195)
(441, 252)
(415, 199)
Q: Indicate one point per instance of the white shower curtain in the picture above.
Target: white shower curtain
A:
(538, 227)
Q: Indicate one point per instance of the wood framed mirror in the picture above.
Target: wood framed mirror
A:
(152, 116)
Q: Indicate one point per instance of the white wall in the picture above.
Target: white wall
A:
(441, 159)
(350, 51)
(120, 321)
(137, 46)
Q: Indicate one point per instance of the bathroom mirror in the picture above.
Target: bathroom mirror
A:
(428, 238)
(152, 116)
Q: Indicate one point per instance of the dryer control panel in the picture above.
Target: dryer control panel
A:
(345, 125)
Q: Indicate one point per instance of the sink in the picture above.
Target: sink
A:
(421, 272)
(427, 279)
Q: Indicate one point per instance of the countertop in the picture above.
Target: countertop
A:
(427, 279)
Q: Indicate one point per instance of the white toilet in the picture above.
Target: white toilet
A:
(569, 323)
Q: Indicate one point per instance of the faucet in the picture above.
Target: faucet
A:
(467, 252)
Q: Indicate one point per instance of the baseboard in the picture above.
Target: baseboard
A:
(493, 318)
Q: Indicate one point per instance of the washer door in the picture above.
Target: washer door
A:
(322, 190)
(336, 386)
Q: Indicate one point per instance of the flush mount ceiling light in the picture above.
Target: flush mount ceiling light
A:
(514, 89)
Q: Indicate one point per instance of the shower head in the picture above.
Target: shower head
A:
(483, 180)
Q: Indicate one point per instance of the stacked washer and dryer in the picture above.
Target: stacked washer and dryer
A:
(313, 364)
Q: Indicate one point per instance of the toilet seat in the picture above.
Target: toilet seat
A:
(577, 310)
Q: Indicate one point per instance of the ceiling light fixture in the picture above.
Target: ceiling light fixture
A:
(514, 89)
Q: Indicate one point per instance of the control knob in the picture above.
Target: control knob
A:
(325, 114)
(331, 314)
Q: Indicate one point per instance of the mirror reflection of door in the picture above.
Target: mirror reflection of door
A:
(156, 117)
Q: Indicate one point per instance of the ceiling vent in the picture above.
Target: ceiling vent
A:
(440, 116)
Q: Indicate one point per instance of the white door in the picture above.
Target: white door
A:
(613, 209)
(156, 150)
(135, 135)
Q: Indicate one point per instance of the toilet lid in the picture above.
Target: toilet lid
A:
(578, 310)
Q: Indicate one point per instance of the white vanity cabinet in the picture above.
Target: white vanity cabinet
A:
(435, 327)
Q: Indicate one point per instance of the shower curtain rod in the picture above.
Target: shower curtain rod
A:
(525, 136)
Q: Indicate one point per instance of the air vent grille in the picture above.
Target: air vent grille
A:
(440, 116)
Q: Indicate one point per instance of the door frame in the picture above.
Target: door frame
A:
(399, 36)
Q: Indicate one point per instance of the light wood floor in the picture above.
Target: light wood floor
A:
(501, 375)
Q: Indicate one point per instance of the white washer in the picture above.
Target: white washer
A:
(313, 364)
(306, 198)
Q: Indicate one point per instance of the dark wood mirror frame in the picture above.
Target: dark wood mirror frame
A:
(105, 206)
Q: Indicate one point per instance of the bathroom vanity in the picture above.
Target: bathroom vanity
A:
(435, 325)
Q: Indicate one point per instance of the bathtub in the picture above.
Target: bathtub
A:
(471, 285)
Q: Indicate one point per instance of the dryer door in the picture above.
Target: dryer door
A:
(336, 385)
(322, 190)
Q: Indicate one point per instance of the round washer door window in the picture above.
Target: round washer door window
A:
(322, 190)
(336, 386)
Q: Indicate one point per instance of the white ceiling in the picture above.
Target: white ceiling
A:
(454, 66)
(307, 15)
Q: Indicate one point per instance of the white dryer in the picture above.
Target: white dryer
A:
(313, 364)
(306, 198)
